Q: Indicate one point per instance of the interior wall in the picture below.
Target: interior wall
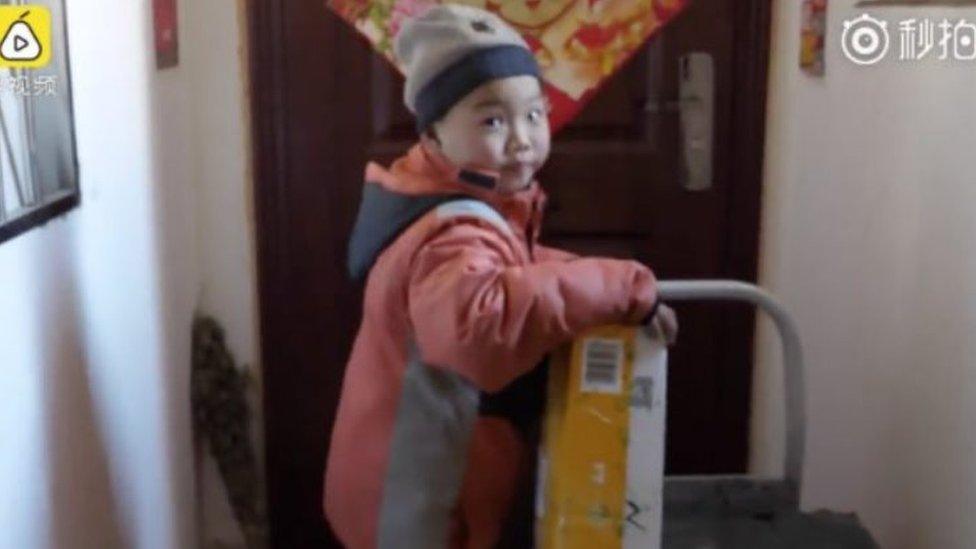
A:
(94, 336)
(868, 217)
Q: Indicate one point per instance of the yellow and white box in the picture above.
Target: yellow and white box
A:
(601, 465)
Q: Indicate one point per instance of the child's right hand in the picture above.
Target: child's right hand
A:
(664, 323)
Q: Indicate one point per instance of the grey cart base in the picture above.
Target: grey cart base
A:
(742, 513)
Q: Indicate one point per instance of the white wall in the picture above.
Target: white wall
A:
(96, 306)
(868, 237)
(55, 484)
(94, 457)
(214, 61)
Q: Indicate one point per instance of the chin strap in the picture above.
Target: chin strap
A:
(481, 179)
(485, 179)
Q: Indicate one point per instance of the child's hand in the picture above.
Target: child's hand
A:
(663, 323)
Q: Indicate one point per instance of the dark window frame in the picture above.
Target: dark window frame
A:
(39, 216)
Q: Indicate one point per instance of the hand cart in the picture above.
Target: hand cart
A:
(743, 511)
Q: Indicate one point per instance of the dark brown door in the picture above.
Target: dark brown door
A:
(324, 104)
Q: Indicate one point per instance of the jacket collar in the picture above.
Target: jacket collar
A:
(424, 170)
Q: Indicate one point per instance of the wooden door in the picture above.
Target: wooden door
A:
(324, 104)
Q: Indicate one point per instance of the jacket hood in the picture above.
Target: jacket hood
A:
(393, 198)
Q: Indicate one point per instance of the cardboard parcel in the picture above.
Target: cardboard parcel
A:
(601, 464)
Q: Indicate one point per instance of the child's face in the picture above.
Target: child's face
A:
(501, 126)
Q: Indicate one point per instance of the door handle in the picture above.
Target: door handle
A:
(695, 107)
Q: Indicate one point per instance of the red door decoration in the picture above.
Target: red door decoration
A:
(166, 32)
(578, 43)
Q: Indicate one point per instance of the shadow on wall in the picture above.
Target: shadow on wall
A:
(83, 511)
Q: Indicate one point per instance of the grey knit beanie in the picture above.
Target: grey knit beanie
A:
(452, 49)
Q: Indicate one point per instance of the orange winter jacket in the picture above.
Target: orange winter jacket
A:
(460, 301)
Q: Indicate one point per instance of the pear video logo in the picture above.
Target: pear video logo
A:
(26, 36)
(20, 43)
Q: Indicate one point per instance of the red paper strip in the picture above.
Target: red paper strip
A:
(813, 34)
(166, 33)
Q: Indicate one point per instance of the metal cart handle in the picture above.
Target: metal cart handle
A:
(732, 290)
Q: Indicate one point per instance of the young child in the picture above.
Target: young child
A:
(460, 298)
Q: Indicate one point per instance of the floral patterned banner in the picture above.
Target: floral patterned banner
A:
(578, 43)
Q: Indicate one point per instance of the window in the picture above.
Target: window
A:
(38, 164)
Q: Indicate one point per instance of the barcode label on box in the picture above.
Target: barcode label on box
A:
(602, 365)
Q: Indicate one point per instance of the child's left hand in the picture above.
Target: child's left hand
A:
(664, 323)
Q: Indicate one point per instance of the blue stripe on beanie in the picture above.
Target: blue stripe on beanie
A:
(456, 81)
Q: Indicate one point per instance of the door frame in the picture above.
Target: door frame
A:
(266, 55)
